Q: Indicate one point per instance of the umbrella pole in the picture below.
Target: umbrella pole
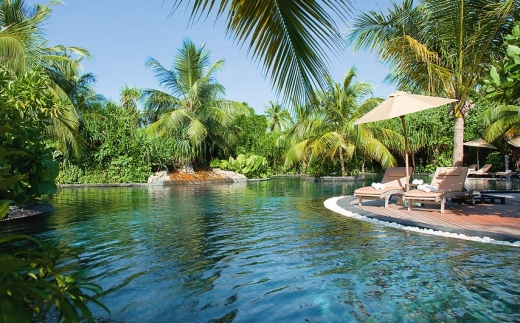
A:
(478, 163)
(407, 184)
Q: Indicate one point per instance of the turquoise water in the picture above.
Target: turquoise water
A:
(270, 252)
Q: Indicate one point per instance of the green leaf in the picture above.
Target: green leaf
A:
(47, 188)
(494, 75)
(69, 312)
(7, 182)
(512, 50)
(4, 207)
(21, 199)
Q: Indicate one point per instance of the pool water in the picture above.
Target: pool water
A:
(270, 252)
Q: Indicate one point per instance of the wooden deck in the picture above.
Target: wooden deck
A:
(497, 221)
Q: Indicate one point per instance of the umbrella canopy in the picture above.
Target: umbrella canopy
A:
(479, 143)
(399, 104)
(515, 141)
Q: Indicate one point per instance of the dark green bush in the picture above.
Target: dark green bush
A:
(34, 281)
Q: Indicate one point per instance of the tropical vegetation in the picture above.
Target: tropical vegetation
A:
(193, 114)
(325, 130)
(54, 128)
(468, 39)
(289, 38)
(187, 123)
(35, 284)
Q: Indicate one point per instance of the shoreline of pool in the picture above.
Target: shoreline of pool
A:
(450, 224)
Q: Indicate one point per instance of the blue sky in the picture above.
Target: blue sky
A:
(122, 34)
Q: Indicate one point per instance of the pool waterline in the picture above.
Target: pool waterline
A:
(270, 252)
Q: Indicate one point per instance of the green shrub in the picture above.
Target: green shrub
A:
(251, 166)
(29, 109)
(33, 282)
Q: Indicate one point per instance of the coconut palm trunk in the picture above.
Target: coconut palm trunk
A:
(342, 162)
(458, 140)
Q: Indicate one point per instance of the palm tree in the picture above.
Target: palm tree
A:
(291, 38)
(192, 111)
(129, 97)
(21, 41)
(332, 134)
(23, 47)
(308, 118)
(440, 47)
(501, 121)
(278, 118)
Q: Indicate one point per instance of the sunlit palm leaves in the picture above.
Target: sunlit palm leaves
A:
(129, 97)
(191, 109)
(327, 130)
(278, 118)
(439, 47)
(502, 121)
(21, 40)
(291, 39)
(23, 47)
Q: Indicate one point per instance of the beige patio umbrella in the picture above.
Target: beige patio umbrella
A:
(514, 141)
(479, 143)
(399, 104)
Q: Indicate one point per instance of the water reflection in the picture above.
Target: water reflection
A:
(270, 252)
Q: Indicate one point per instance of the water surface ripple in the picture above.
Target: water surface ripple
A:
(270, 252)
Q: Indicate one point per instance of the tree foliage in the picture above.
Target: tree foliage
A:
(278, 117)
(290, 38)
(33, 282)
(324, 128)
(28, 108)
(439, 47)
(118, 150)
(192, 113)
(501, 86)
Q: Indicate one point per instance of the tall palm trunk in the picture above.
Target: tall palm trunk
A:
(458, 140)
(343, 172)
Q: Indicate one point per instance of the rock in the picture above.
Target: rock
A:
(28, 210)
(159, 177)
(187, 168)
(229, 174)
(216, 175)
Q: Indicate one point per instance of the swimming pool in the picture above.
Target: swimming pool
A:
(270, 252)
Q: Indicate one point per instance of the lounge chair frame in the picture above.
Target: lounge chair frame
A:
(450, 181)
(394, 181)
(483, 171)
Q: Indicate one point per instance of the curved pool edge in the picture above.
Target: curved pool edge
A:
(353, 212)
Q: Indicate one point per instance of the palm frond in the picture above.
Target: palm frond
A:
(296, 153)
(375, 150)
(165, 77)
(196, 132)
(290, 38)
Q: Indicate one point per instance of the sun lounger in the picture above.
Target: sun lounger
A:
(506, 175)
(472, 167)
(450, 184)
(483, 171)
(394, 181)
